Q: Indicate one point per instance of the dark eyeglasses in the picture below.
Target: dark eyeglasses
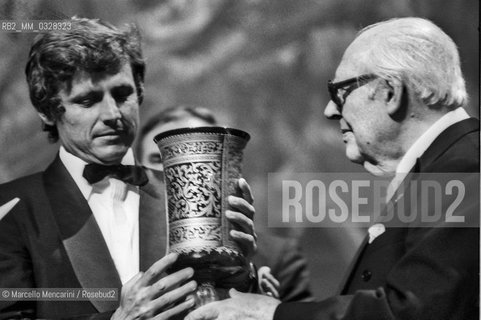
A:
(340, 90)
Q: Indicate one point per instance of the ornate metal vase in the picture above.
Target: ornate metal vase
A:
(201, 168)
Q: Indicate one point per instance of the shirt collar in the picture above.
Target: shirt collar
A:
(427, 138)
(75, 166)
(421, 145)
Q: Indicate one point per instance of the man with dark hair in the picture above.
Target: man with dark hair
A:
(399, 95)
(93, 219)
(92, 46)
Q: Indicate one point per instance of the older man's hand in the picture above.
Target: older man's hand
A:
(245, 306)
(241, 215)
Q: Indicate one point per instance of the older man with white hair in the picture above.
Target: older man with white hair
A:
(398, 95)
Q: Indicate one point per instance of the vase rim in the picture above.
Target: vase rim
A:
(209, 129)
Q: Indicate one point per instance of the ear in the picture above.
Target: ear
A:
(394, 94)
(46, 120)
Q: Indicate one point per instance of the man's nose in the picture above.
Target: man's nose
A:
(110, 111)
(332, 111)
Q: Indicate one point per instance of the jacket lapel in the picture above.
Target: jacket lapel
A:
(443, 142)
(350, 270)
(80, 234)
(365, 245)
(446, 139)
(152, 221)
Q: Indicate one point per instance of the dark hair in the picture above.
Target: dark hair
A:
(91, 46)
(173, 114)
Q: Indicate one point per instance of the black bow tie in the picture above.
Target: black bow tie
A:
(134, 175)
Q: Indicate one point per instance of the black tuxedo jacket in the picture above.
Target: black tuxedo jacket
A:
(50, 239)
(415, 273)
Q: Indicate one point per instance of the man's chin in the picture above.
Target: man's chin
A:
(111, 154)
(376, 170)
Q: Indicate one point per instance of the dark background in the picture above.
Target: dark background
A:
(261, 65)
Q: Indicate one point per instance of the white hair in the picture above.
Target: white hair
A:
(418, 53)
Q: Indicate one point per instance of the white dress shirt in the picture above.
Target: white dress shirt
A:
(115, 206)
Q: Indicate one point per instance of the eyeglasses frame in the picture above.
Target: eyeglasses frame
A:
(351, 84)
